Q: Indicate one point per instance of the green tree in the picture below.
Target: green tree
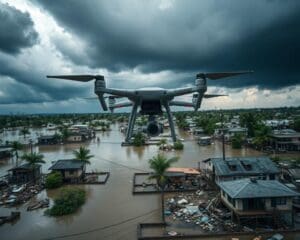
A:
(54, 180)
(24, 131)
(159, 164)
(83, 154)
(33, 159)
(261, 137)
(237, 141)
(65, 133)
(17, 146)
(138, 139)
(178, 145)
(68, 201)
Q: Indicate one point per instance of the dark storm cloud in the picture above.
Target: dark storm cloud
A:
(17, 30)
(188, 37)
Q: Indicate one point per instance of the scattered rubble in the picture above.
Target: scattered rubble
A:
(40, 204)
(15, 195)
(201, 210)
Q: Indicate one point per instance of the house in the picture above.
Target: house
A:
(80, 133)
(292, 175)
(24, 173)
(75, 137)
(183, 178)
(48, 140)
(217, 169)
(267, 200)
(5, 152)
(285, 140)
(72, 170)
(206, 140)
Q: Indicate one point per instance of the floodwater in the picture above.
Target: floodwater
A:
(111, 211)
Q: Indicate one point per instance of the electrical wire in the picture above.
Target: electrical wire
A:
(100, 228)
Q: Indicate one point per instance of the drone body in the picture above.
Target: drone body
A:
(151, 101)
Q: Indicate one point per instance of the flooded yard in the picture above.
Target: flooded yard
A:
(111, 210)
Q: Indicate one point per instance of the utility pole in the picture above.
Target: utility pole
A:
(223, 136)
(30, 142)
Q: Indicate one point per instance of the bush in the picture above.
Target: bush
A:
(138, 139)
(68, 201)
(178, 145)
(237, 141)
(54, 180)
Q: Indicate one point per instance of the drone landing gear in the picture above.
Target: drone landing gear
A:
(171, 123)
(132, 119)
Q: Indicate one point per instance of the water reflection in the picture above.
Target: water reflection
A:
(106, 204)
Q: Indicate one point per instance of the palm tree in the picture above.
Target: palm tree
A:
(83, 154)
(33, 159)
(159, 164)
(16, 146)
(24, 131)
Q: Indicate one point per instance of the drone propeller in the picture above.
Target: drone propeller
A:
(109, 97)
(216, 76)
(80, 78)
(214, 95)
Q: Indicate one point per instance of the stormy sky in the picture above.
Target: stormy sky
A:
(140, 43)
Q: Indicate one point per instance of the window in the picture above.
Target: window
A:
(281, 201)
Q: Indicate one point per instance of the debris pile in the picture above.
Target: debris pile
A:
(40, 204)
(195, 209)
(15, 195)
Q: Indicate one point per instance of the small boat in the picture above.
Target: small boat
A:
(18, 189)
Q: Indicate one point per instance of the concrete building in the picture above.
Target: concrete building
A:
(72, 170)
(232, 168)
(285, 140)
(259, 200)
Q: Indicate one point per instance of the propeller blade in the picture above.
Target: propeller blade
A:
(214, 95)
(113, 96)
(91, 98)
(215, 76)
(80, 78)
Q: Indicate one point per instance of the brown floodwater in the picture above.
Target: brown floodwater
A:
(108, 204)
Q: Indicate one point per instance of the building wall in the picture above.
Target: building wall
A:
(74, 138)
(74, 174)
(237, 204)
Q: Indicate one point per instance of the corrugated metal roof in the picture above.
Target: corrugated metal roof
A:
(25, 166)
(246, 188)
(67, 164)
(235, 166)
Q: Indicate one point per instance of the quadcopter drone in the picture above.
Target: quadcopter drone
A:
(150, 101)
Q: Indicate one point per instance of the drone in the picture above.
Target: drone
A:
(151, 101)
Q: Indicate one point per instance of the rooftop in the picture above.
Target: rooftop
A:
(285, 133)
(25, 166)
(6, 149)
(250, 188)
(67, 164)
(182, 170)
(233, 166)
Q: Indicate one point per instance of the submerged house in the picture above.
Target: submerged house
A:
(232, 168)
(256, 200)
(48, 140)
(72, 170)
(24, 173)
(285, 140)
(5, 153)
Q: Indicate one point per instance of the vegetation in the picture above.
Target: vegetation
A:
(159, 164)
(16, 146)
(162, 141)
(54, 180)
(68, 201)
(65, 133)
(138, 139)
(178, 145)
(237, 141)
(24, 131)
(33, 159)
(83, 154)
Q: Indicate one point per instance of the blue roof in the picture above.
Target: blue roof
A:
(243, 166)
(248, 188)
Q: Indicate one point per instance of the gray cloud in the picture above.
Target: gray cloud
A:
(188, 37)
(17, 30)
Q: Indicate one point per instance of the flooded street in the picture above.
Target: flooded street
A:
(107, 204)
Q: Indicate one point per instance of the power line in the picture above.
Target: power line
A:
(122, 165)
(100, 228)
